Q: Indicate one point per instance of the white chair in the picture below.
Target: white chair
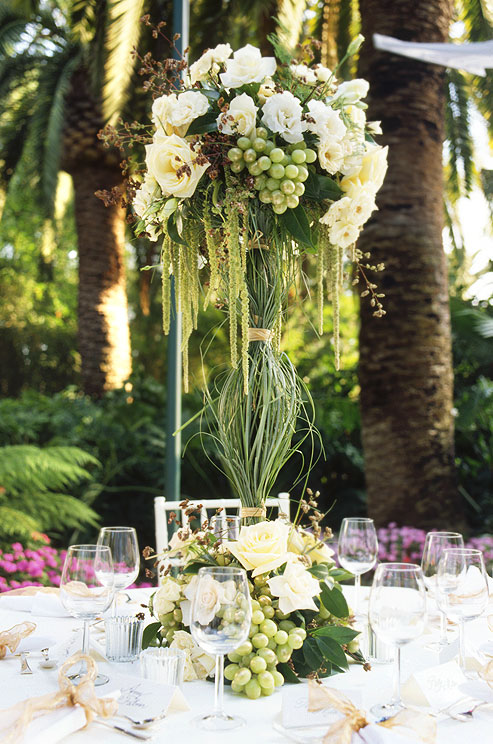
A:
(162, 507)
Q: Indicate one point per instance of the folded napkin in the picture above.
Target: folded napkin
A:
(41, 601)
(55, 726)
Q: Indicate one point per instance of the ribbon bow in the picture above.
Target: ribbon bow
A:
(341, 732)
(10, 639)
(20, 716)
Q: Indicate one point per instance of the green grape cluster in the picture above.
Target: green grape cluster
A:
(170, 623)
(252, 670)
(278, 175)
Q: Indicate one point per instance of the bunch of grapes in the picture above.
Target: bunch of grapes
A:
(278, 175)
(271, 640)
(170, 622)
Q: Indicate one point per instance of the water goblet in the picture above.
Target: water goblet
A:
(397, 615)
(435, 545)
(86, 591)
(220, 623)
(462, 585)
(357, 550)
(124, 547)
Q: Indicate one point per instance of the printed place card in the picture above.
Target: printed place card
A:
(141, 698)
(436, 687)
(294, 711)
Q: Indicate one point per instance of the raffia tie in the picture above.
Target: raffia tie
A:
(253, 511)
(409, 722)
(10, 639)
(19, 716)
(260, 334)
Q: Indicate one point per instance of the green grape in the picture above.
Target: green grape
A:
(264, 600)
(295, 641)
(300, 631)
(169, 636)
(281, 637)
(243, 676)
(286, 160)
(236, 687)
(250, 155)
(266, 680)
(276, 170)
(273, 184)
(303, 173)
(268, 655)
(287, 186)
(244, 143)
(253, 630)
(245, 660)
(276, 155)
(269, 612)
(278, 197)
(299, 189)
(238, 166)
(259, 580)
(265, 196)
(292, 201)
(230, 671)
(283, 653)
(272, 644)
(311, 155)
(269, 146)
(229, 614)
(260, 640)
(234, 657)
(235, 154)
(255, 169)
(282, 615)
(300, 145)
(253, 689)
(278, 678)
(265, 162)
(262, 132)
(244, 649)
(258, 664)
(291, 171)
(258, 144)
(268, 627)
(259, 184)
(266, 691)
(298, 156)
(255, 605)
(286, 625)
(279, 208)
(258, 617)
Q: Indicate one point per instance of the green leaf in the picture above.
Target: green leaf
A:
(209, 93)
(288, 674)
(331, 651)
(338, 633)
(311, 654)
(340, 574)
(203, 124)
(296, 222)
(149, 634)
(319, 187)
(172, 230)
(320, 571)
(334, 601)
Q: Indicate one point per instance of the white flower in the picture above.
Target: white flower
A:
(304, 73)
(326, 122)
(247, 66)
(375, 127)
(266, 90)
(371, 170)
(165, 160)
(173, 114)
(209, 62)
(240, 117)
(357, 116)
(282, 114)
(362, 205)
(336, 212)
(352, 90)
(330, 154)
(145, 196)
(295, 588)
(207, 599)
(198, 664)
(186, 604)
(164, 599)
(261, 547)
(306, 544)
(343, 234)
(323, 73)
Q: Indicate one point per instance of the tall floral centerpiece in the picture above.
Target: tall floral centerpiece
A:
(255, 167)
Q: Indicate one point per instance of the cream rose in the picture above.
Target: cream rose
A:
(166, 159)
(304, 73)
(282, 114)
(323, 73)
(209, 62)
(145, 196)
(343, 234)
(240, 117)
(165, 598)
(173, 114)
(326, 122)
(330, 154)
(198, 664)
(207, 599)
(247, 66)
(261, 547)
(316, 550)
(295, 589)
(266, 90)
(362, 205)
(352, 90)
(371, 170)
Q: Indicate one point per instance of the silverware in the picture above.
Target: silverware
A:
(25, 668)
(123, 730)
(463, 715)
(47, 663)
(144, 722)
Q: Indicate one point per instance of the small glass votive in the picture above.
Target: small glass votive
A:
(123, 638)
(377, 651)
(164, 665)
(225, 527)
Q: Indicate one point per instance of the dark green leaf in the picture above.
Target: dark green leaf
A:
(296, 222)
(340, 574)
(331, 651)
(312, 654)
(173, 231)
(338, 633)
(288, 674)
(320, 571)
(149, 634)
(203, 124)
(334, 601)
(209, 93)
(319, 187)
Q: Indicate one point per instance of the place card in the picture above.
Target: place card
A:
(142, 698)
(295, 714)
(436, 687)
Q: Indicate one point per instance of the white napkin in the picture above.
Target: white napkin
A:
(55, 726)
(40, 604)
(374, 734)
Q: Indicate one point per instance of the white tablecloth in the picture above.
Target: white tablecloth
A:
(375, 686)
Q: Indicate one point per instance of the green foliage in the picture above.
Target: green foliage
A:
(459, 139)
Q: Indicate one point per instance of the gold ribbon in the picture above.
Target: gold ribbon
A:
(253, 511)
(10, 639)
(260, 334)
(341, 732)
(69, 694)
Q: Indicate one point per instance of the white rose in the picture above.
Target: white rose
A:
(362, 205)
(261, 547)
(330, 154)
(295, 589)
(282, 114)
(336, 212)
(316, 550)
(375, 127)
(146, 195)
(166, 596)
(266, 90)
(176, 113)
(207, 600)
(357, 116)
(343, 234)
(221, 53)
(304, 73)
(352, 90)
(209, 62)
(240, 117)
(247, 66)
(186, 604)
(327, 123)
(371, 170)
(198, 664)
(170, 160)
(323, 73)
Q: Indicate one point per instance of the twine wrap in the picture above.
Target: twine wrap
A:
(253, 511)
(260, 334)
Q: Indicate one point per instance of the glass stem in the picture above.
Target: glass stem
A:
(357, 588)
(85, 647)
(219, 685)
(462, 646)
(443, 629)
(396, 693)
(113, 604)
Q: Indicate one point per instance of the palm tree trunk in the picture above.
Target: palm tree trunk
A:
(406, 371)
(104, 337)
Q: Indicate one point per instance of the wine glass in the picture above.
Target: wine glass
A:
(435, 545)
(397, 616)
(357, 550)
(225, 527)
(126, 560)
(86, 591)
(220, 622)
(462, 586)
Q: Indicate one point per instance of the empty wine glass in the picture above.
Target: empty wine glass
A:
(435, 545)
(462, 589)
(397, 616)
(357, 550)
(220, 622)
(84, 594)
(126, 560)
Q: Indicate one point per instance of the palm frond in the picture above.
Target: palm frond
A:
(458, 134)
(484, 326)
(290, 15)
(11, 30)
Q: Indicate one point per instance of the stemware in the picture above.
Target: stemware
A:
(397, 615)
(435, 544)
(357, 550)
(225, 527)
(220, 622)
(462, 586)
(124, 547)
(86, 591)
